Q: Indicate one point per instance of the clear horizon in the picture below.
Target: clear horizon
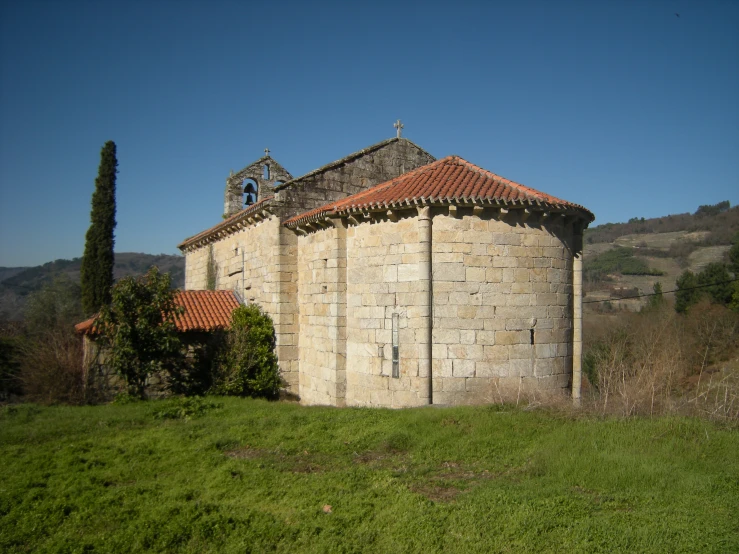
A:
(625, 108)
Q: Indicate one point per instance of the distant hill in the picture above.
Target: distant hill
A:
(720, 221)
(625, 259)
(16, 283)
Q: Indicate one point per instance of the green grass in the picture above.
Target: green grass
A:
(233, 475)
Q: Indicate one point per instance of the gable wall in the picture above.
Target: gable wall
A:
(357, 175)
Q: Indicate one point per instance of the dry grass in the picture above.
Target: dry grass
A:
(659, 362)
(51, 369)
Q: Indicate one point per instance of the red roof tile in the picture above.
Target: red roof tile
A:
(450, 180)
(205, 310)
(238, 216)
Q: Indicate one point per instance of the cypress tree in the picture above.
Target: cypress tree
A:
(96, 273)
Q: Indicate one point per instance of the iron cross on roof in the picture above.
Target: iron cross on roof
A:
(399, 126)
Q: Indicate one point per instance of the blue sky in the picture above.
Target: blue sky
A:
(620, 106)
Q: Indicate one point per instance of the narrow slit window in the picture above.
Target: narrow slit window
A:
(266, 171)
(532, 336)
(396, 357)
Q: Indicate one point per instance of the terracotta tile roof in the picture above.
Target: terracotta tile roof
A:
(450, 180)
(228, 222)
(205, 310)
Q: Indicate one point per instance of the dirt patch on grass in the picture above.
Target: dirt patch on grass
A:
(247, 453)
(382, 459)
(302, 462)
(449, 480)
(436, 492)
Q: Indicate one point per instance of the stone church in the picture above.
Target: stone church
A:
(395, 279)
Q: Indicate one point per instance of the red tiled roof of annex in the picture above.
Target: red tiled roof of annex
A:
(205, 310)
(448, 180)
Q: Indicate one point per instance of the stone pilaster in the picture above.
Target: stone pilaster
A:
(425, 345)
(577, 317)
(339, 321)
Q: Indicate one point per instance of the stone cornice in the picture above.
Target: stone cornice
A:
(525, 208)
(245, 218)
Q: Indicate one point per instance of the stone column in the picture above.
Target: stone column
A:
(338, 331)
(577, 315)
(425, 281)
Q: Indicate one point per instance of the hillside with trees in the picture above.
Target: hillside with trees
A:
(717, 225)
(18, 282)
(629, 259)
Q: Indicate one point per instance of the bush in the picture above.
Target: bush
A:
(659, 362)
(195, 375)
(138, 328)
(248, 365)
(52, 369)
(10, 350)
(50, 353)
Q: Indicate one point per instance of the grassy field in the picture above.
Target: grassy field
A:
(252, 476)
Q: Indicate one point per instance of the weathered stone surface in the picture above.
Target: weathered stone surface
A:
(495, 289)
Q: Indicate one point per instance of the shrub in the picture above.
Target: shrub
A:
(247, 365)
(138, 328)
(660, 362)
(50, 354)
(51, 369)
(686, 294)
(195, 376)
(10, 349)
(716, 272)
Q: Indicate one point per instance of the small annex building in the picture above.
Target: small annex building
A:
(398, 280)
(203, 313)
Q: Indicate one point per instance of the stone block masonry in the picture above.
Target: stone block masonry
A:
(259, 259)
(501, 308)
(259, 263)
(413, 293)
(502, 291)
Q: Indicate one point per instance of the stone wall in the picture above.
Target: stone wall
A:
(339, 180)
(383, 280)
(322, 316)
(234, 195)
(259, 262)
(502, 309)
(502, 305)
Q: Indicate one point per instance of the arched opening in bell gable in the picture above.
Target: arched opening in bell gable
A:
(251, 190)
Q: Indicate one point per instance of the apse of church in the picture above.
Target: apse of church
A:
(397, 280)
